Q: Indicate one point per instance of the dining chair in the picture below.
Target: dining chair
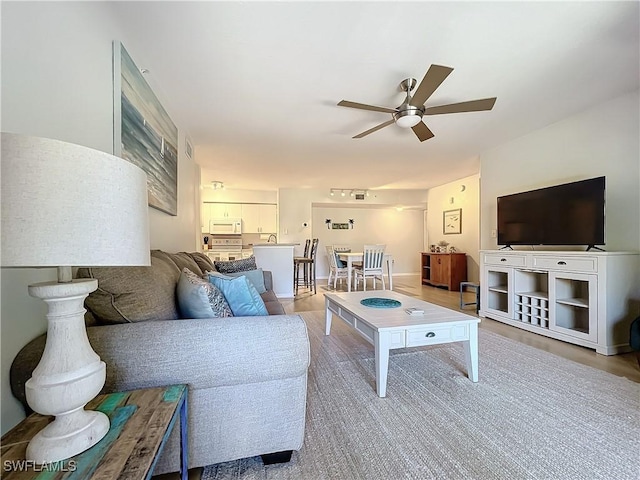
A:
(372, 260)
(335, 271)
(308, 264)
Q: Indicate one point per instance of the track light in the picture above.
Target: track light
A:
(358, 193)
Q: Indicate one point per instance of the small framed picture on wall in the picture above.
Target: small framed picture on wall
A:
(452, 221)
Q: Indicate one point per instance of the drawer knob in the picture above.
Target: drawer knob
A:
(562, 263)
(503, 259)
(430, 335)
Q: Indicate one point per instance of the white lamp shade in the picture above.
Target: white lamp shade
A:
(68, 205)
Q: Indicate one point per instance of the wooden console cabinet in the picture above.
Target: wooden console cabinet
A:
(578, 297)
(444, 269)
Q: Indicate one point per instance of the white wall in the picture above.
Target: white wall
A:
(239, 196)
(57, 83)
(603, 140)
(401, 231)
(451, 196)
(377, 220)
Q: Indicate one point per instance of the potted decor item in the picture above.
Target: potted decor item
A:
(442, 246)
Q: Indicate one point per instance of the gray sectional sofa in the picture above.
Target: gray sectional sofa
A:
(247, 376)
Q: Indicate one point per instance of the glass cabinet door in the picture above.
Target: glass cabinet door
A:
(573, 305)
(496, 291)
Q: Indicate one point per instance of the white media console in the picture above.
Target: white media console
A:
(578, 297)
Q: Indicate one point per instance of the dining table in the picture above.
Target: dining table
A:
(352, 257)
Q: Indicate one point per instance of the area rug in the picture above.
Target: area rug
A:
(532, 415)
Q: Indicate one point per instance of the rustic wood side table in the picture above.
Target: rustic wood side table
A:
(141, 421)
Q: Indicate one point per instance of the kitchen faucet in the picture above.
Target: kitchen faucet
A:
(275, 238)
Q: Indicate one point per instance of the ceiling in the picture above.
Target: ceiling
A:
(255, 84)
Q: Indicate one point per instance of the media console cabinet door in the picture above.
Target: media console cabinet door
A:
(573, 305)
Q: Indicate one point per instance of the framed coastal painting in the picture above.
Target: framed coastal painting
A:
(143, 132)
(452, 221)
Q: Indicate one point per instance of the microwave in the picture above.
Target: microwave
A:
(225, 226)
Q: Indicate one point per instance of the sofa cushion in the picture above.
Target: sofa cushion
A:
(134, 294)
(242, 296)
(181, 260)
(203, 261)
(233, 266)
(198, 298)
(274, 307)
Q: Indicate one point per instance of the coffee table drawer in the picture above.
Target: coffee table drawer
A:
(435, 335)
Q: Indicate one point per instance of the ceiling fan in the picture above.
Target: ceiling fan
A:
(410, 113)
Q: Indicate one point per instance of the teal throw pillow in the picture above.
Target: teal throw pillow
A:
(339, 262)
(256, 277)
(242, 296)
(198, 298)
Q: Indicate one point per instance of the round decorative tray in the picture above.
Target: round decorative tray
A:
(376, 302)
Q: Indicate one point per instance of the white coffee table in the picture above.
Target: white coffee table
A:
(389, 328)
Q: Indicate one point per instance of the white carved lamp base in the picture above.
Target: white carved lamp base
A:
(69, 375)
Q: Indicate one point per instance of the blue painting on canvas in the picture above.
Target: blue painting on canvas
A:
(149, 138)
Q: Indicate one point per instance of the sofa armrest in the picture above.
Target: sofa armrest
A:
(268, 279)
(201, 353)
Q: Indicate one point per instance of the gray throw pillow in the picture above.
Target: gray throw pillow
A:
(233, 266)
(198, 298)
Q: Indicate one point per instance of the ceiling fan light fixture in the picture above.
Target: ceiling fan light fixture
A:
(408, 118)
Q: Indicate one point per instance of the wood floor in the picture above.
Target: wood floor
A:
(624, 365)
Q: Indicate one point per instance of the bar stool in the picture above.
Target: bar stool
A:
(476, 288)
(308, 266)
(297, 263)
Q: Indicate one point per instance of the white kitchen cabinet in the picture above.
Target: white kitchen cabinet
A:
(225, 210)
(576, 297)
(259, 218)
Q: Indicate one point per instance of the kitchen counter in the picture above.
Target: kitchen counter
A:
(278, 258)
(273, 244)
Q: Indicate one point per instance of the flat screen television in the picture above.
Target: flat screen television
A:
(568, 214)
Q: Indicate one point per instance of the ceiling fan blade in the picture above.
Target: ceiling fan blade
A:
(470, 106)
(374, 129)
(432, 80)
(362, 106)
(422, 132)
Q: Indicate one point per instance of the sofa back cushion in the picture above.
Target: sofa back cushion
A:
(181, 260)
(134, 294)
(203, 261)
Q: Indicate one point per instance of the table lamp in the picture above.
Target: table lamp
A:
(87, 208)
